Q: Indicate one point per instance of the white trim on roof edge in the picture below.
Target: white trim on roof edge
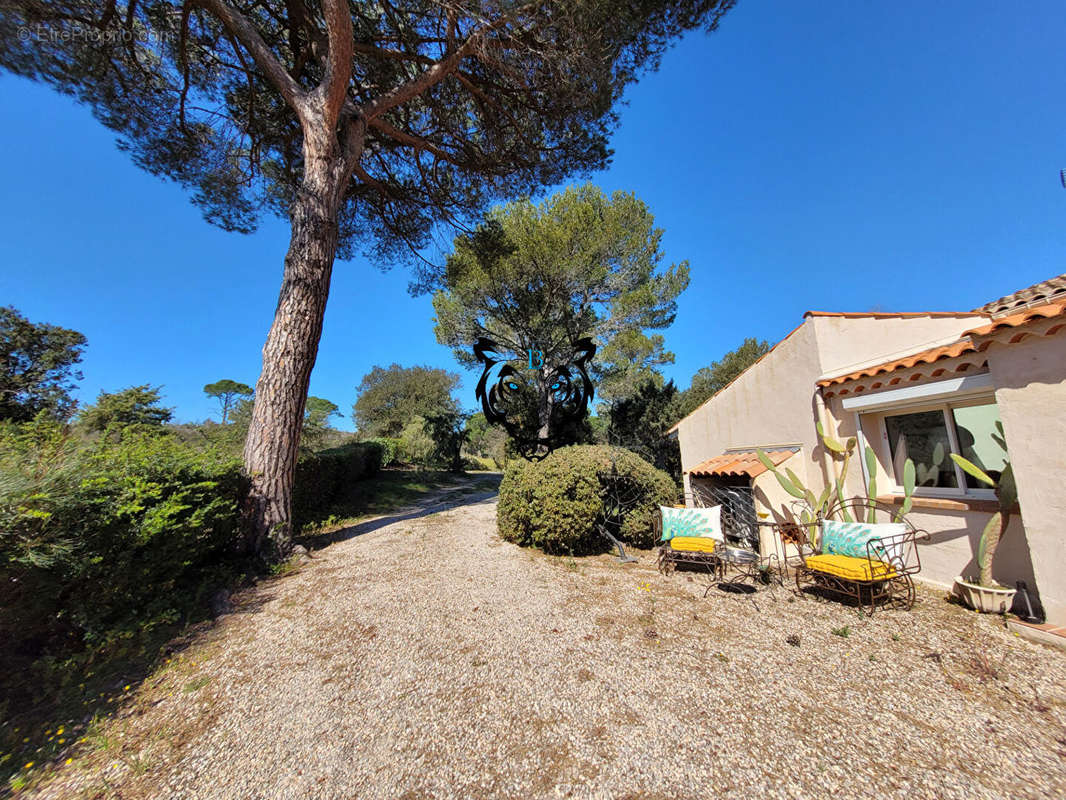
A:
(970, 384)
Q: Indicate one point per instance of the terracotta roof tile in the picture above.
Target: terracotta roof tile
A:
(745, 462)
(1051, 290)
(923, 357)
(1024, 317)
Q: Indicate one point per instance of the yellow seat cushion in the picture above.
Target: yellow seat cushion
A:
(693, 544)
(851, 568)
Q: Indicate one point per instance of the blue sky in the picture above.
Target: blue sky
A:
(832, 156)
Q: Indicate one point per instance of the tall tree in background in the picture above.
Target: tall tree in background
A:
(364, 124)
(708, 381)
(227, 393)
(535, 278)
(316, 428)
(319, 410)
(641, 420)
(36, 367)
(390, 397)
(449, 433)
(136, 406)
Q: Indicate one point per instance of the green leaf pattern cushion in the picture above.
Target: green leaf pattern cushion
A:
(850, 538)
(703, 522)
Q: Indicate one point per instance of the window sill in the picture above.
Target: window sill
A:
(945, 504)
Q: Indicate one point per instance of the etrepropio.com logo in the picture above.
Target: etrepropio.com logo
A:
(87, 34)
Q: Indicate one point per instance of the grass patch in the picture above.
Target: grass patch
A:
(196, 684)
(282, 567)
(844, 632)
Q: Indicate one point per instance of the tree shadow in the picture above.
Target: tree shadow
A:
(50, 706)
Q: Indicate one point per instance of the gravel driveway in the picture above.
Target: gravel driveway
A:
(426, 658)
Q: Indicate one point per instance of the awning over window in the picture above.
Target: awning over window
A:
(741, 462)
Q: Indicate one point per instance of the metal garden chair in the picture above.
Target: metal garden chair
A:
(881, 576)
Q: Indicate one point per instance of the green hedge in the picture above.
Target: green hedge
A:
(555, 504)
(322, 477)
(479, 463)
(102, 542)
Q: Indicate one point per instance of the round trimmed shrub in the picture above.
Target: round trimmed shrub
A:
(556, 504)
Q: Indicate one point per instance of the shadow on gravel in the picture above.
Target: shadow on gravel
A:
(456, 498)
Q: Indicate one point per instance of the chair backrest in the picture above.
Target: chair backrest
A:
(862, 509)
(900, 548)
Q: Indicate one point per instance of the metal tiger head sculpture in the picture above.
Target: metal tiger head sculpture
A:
(537, 407)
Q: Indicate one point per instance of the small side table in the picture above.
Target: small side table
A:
(746, 567)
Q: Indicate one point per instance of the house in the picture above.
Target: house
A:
(920, 386)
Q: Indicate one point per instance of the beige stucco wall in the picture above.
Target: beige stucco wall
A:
(1030, 378)
(847, 343)
(770, 404)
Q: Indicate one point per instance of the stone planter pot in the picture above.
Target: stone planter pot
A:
(986, 599)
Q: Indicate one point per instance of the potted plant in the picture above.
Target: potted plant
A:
(983, 593)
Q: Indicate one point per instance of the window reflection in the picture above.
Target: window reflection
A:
(980, 440)
(923, 438)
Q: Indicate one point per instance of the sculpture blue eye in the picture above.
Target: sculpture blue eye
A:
(512, 385)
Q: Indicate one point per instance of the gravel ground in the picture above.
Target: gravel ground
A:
(426, 658)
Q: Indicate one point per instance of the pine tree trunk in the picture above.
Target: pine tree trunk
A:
(271, 449)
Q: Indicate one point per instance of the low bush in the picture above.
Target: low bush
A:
(556, 504)
(108, 546)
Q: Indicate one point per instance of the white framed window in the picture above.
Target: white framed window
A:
(928, 434)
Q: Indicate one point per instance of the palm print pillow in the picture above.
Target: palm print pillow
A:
(701, 522)
(850, 538)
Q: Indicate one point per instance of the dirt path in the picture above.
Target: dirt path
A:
(426, 658)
